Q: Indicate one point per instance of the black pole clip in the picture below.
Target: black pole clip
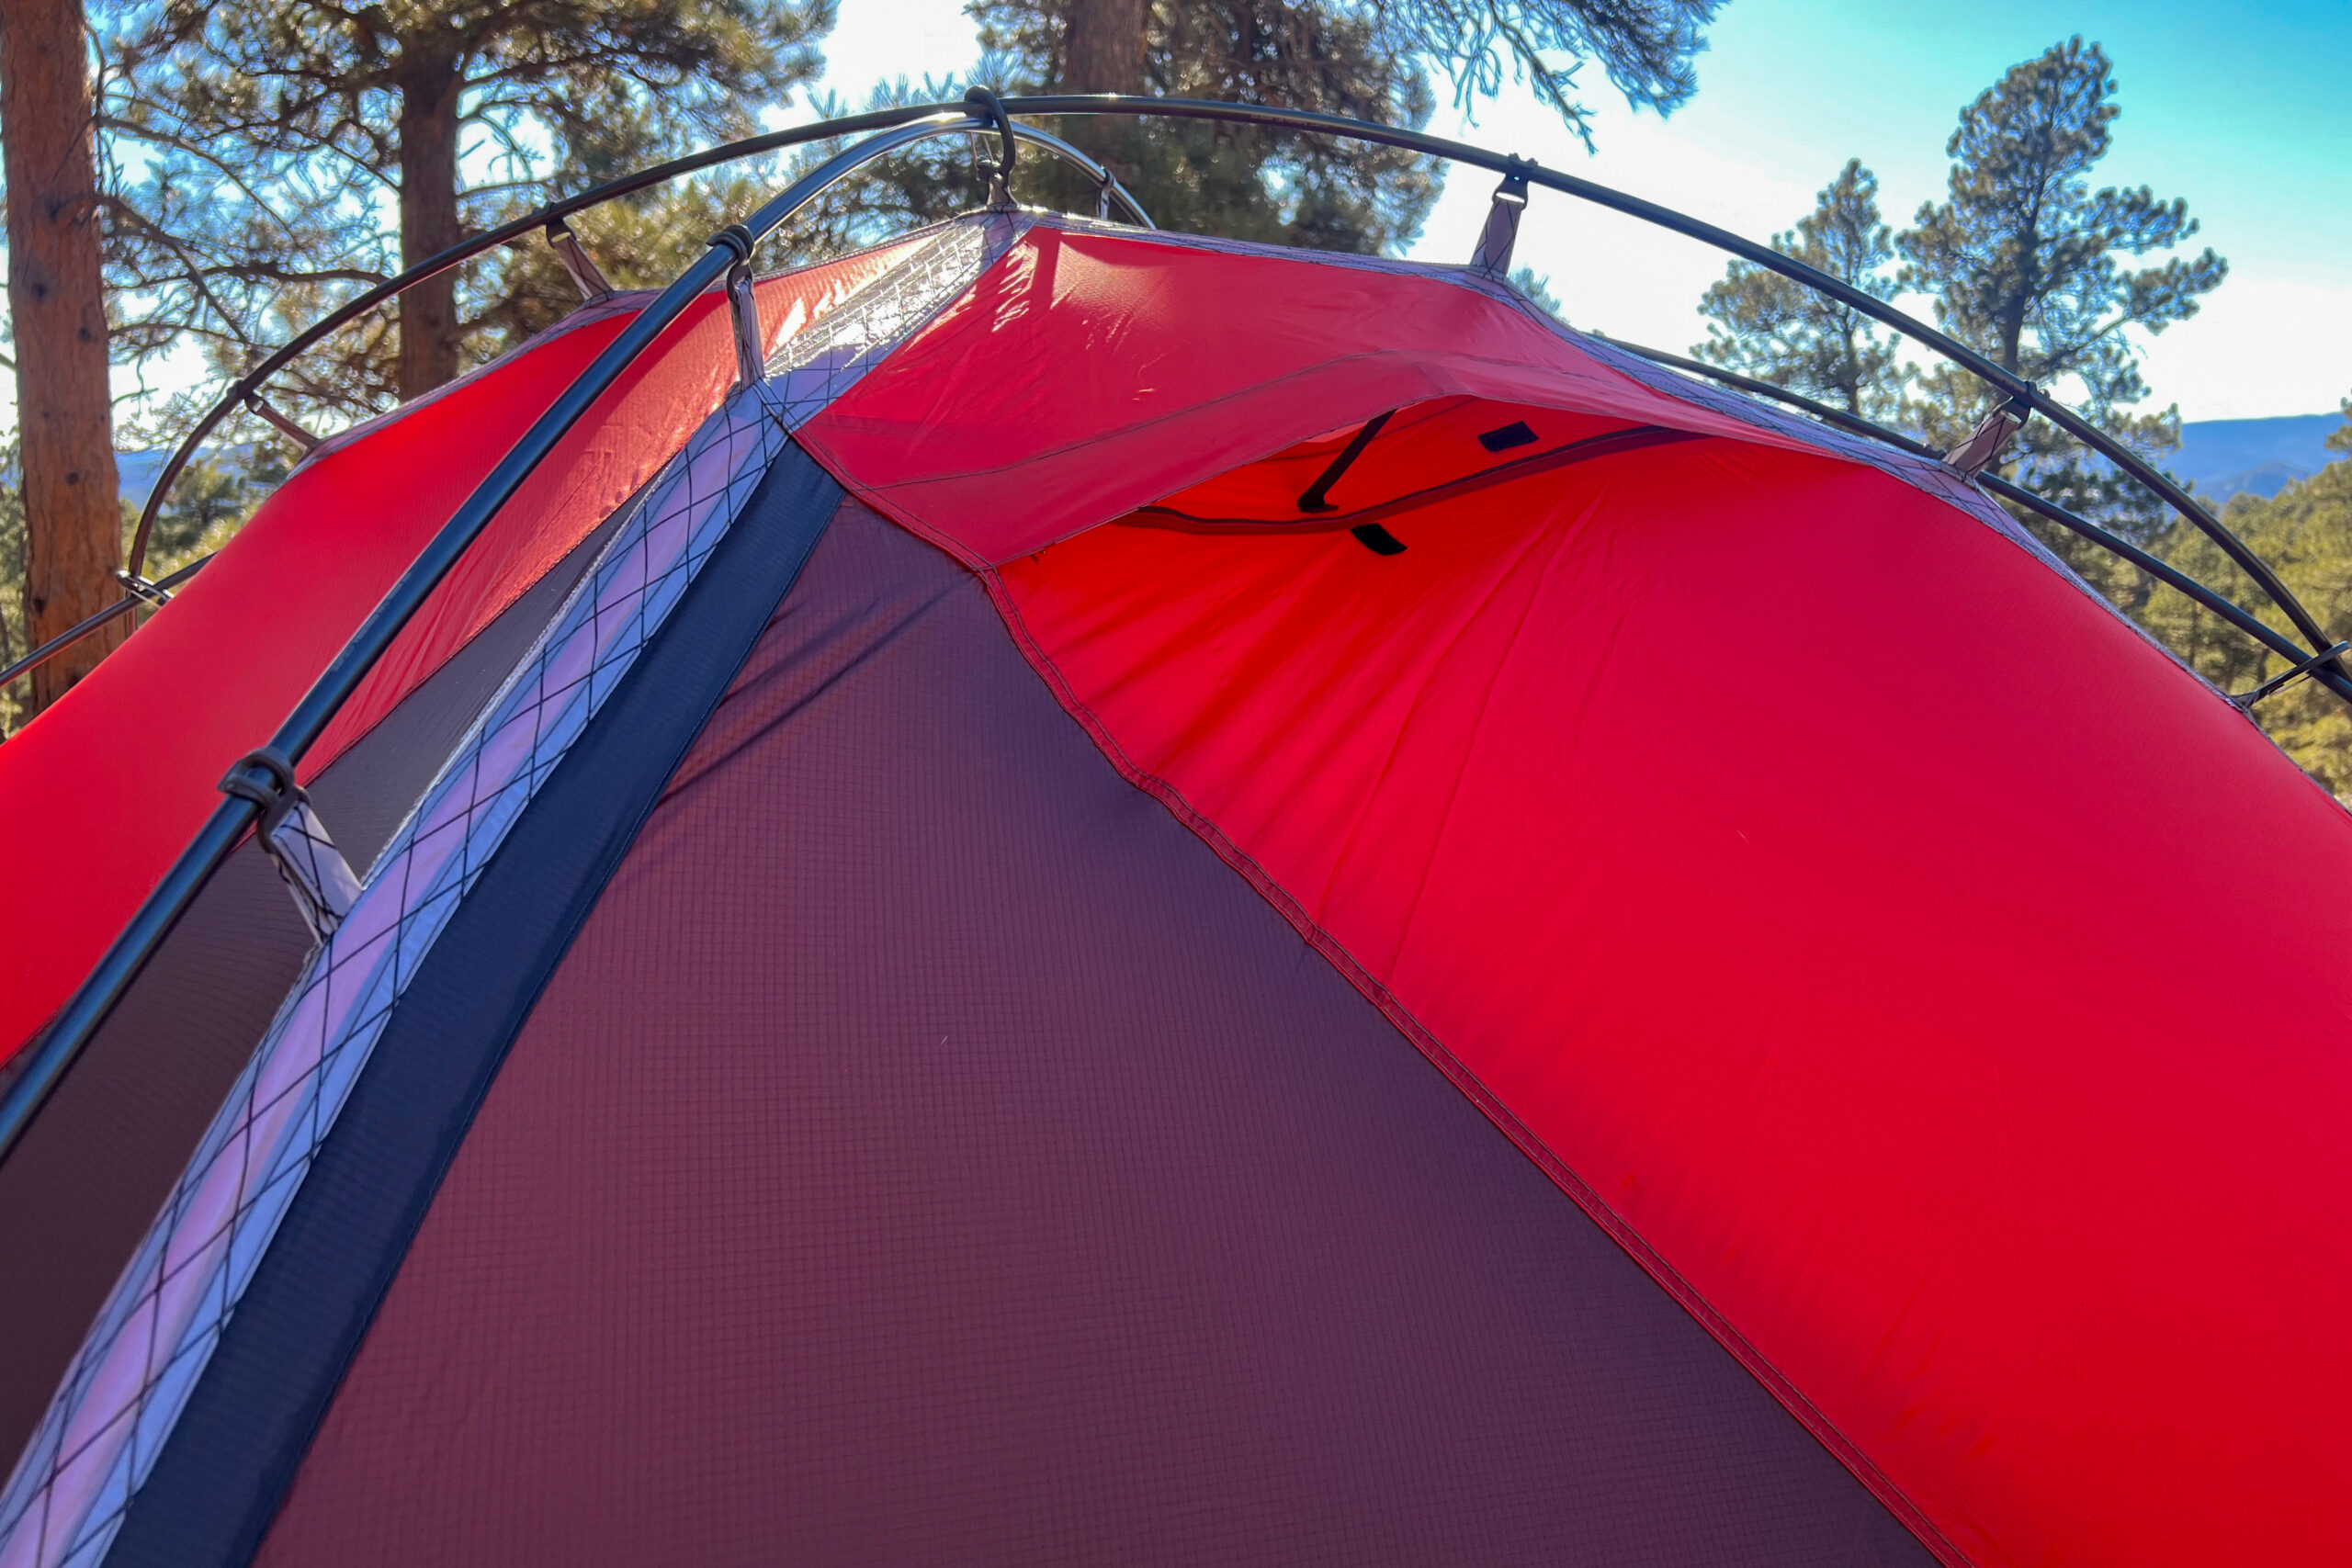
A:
(750, 343)
(292, 836)
(982, 103)
(2310, 666)
(1993, 433)
(1492, 255)
(138, 587)
(578, 264)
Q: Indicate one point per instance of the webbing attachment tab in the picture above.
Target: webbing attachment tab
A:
(276, 418)
(2277, 683)
(751, 352)
(983, 104)
(1983, 445)
(1492, 255)
(292, 836)
(578, 264)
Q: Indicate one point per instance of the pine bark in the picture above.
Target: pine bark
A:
(1103, 46)
(1103, 50)
(57, 301)
(430, 89)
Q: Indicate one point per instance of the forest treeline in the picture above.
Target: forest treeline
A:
(251, 162)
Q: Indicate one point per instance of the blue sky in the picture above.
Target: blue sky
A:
(2244, 110)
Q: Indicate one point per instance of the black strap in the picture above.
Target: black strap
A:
(1312, 498)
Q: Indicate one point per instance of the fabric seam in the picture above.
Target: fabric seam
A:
(1611, 1224)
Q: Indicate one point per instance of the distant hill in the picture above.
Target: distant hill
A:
(137, 471)
(2261, 457)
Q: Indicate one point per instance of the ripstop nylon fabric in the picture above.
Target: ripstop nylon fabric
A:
(1092, 370)
(84, 1183)
(1865, 1001)
(1879, 932)
(929, 1152)
(228, 1458)
(1869, 929)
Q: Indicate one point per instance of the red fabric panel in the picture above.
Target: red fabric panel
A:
(1410, 453)
(105, 788)
(1088, 373)
(1941, 989)
(667, 392)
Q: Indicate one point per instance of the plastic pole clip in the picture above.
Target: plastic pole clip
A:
(295, 839)
(138, 587)
(2310, 666)
(982, 103)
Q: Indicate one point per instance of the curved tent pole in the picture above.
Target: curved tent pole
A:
(2237, 615)
(143, 591)
(72, 1027)
(74, 1023)
(432, 267)
(1986, 370)
(92, 625)
(998, 113)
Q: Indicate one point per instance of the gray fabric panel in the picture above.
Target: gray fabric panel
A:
(79, 1189)
(931, 1151)
(367, 793)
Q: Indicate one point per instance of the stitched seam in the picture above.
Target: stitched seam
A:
(1613, 1225)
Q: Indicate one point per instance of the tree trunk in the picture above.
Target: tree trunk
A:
(430, 88)
(57, 296)
(1103, 51)
(1103, 46)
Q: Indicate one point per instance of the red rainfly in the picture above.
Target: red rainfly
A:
(1936, 986)
(1328, 921)
(108, 786)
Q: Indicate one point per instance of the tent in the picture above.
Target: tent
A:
(1121, 897)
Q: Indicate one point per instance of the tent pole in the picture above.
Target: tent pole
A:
(78, 1020)
(46, 1062)
(2238, 616)
(2331, 671)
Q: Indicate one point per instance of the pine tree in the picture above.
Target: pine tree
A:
(57, 312)
(2021, 257)
(1369, 59)
(289, 151)
(1777, 330)
(2305, 533)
